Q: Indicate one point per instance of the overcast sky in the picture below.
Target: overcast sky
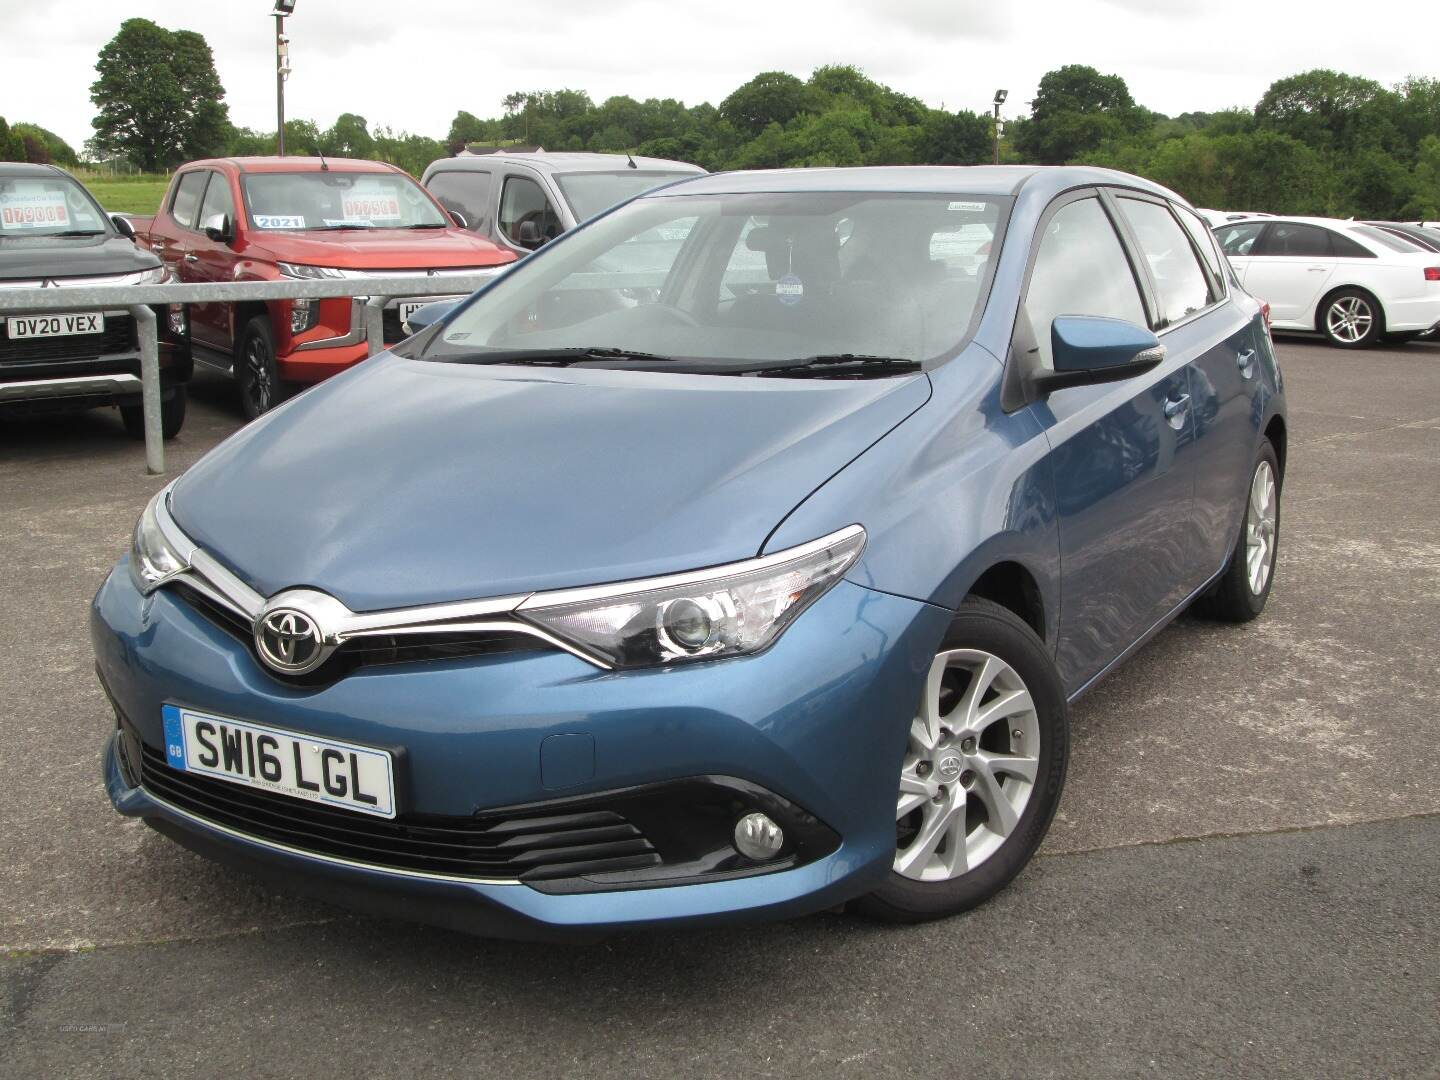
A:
(411, 64)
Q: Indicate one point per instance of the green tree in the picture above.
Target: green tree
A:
(961, 138)
(349, 137)
(158, 98)
(466, 128)
(55, 149)
(11, 147)
(1076, 110)
(1321, 108)
(772, 97)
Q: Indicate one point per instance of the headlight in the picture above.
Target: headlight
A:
(155, 558)
(309, 273)
(726, 611)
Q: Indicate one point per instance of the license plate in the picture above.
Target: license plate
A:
(343, 774)
(33, 326)
(406, 308)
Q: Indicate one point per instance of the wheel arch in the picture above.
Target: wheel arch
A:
(1276, 432)
(1011, 585)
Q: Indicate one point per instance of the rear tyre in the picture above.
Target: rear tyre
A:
(1351, 319)
(982, 772)
(1242, 590)
(172, 416)
(256, 369)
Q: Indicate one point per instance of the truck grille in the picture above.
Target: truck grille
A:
(118, 337)
(513, 847)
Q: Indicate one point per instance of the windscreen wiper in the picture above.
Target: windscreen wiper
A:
(553, 357)
(838, 366)
(427, 225)
(76, 232)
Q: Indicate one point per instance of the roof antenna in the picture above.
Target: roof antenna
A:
(324, 165)
(631, 160)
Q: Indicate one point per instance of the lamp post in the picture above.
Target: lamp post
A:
(282, 69)
(1000, 96)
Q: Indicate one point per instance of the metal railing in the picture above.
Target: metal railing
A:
(376, 292)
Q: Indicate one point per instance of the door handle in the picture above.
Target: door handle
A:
(1244, 360)
(190, 256)
(1177, 405)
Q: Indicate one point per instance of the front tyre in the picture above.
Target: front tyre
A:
(256, 369)
(983, 768)
(1352, 319)
(1243, 588)
(172, 415)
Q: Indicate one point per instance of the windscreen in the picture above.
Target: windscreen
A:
(588, 193)
(338, 200)
(724, 281)
(46, 206)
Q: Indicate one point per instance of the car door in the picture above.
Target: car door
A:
(1237, 240)
(1196, 321)
(173, 227)
(1121, 453)
(1289, 266)
(209, 261)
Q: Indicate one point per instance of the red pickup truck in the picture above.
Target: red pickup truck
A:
(267, 219)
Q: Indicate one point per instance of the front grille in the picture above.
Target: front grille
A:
(118, 337)
(370, 651)
(522, 847)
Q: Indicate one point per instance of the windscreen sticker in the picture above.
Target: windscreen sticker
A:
(971, 207)
(34, 208)
(279, 221)
(348, 223)
(789, 290)
(370, 200)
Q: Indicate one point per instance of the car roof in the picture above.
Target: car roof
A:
(1045, 181)
(27, 168)
(564, 162)
(295, 164)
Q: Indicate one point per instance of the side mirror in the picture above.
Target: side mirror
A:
(123, 226)
(459, 219)
(1088, 349)
(529, 235)
(219, 228)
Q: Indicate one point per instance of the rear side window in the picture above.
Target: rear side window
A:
(1204, 240)
(1180, 284)
(186, 204)
(1238, 240)
(218, 202)
(522, 201)
(1296, 241)
(1080, 269)
(1383, 237)
(465, 192)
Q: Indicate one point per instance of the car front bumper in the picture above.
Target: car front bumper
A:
(819, 720)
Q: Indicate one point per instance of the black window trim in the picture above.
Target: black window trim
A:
(1127, 235)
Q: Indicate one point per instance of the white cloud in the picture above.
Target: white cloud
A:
(412, 64)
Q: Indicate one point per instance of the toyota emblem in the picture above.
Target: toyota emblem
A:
(289, 641)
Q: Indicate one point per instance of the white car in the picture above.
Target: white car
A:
(1352, 282)
(1216, 218)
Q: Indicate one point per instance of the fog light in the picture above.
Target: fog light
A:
(757, 837)
(302, 315)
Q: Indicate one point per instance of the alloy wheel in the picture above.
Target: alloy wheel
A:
(1349, 319)
(257, 367)
(969, 767)
(1260, 527)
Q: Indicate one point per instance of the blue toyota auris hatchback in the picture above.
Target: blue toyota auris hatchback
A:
(738, 554)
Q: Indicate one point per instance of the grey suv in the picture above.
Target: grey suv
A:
(520, 200)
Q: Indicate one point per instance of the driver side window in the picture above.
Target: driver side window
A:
(523, 201)
(1080, 269)
(218, 202)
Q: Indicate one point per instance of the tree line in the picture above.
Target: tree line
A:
(1320, 142)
